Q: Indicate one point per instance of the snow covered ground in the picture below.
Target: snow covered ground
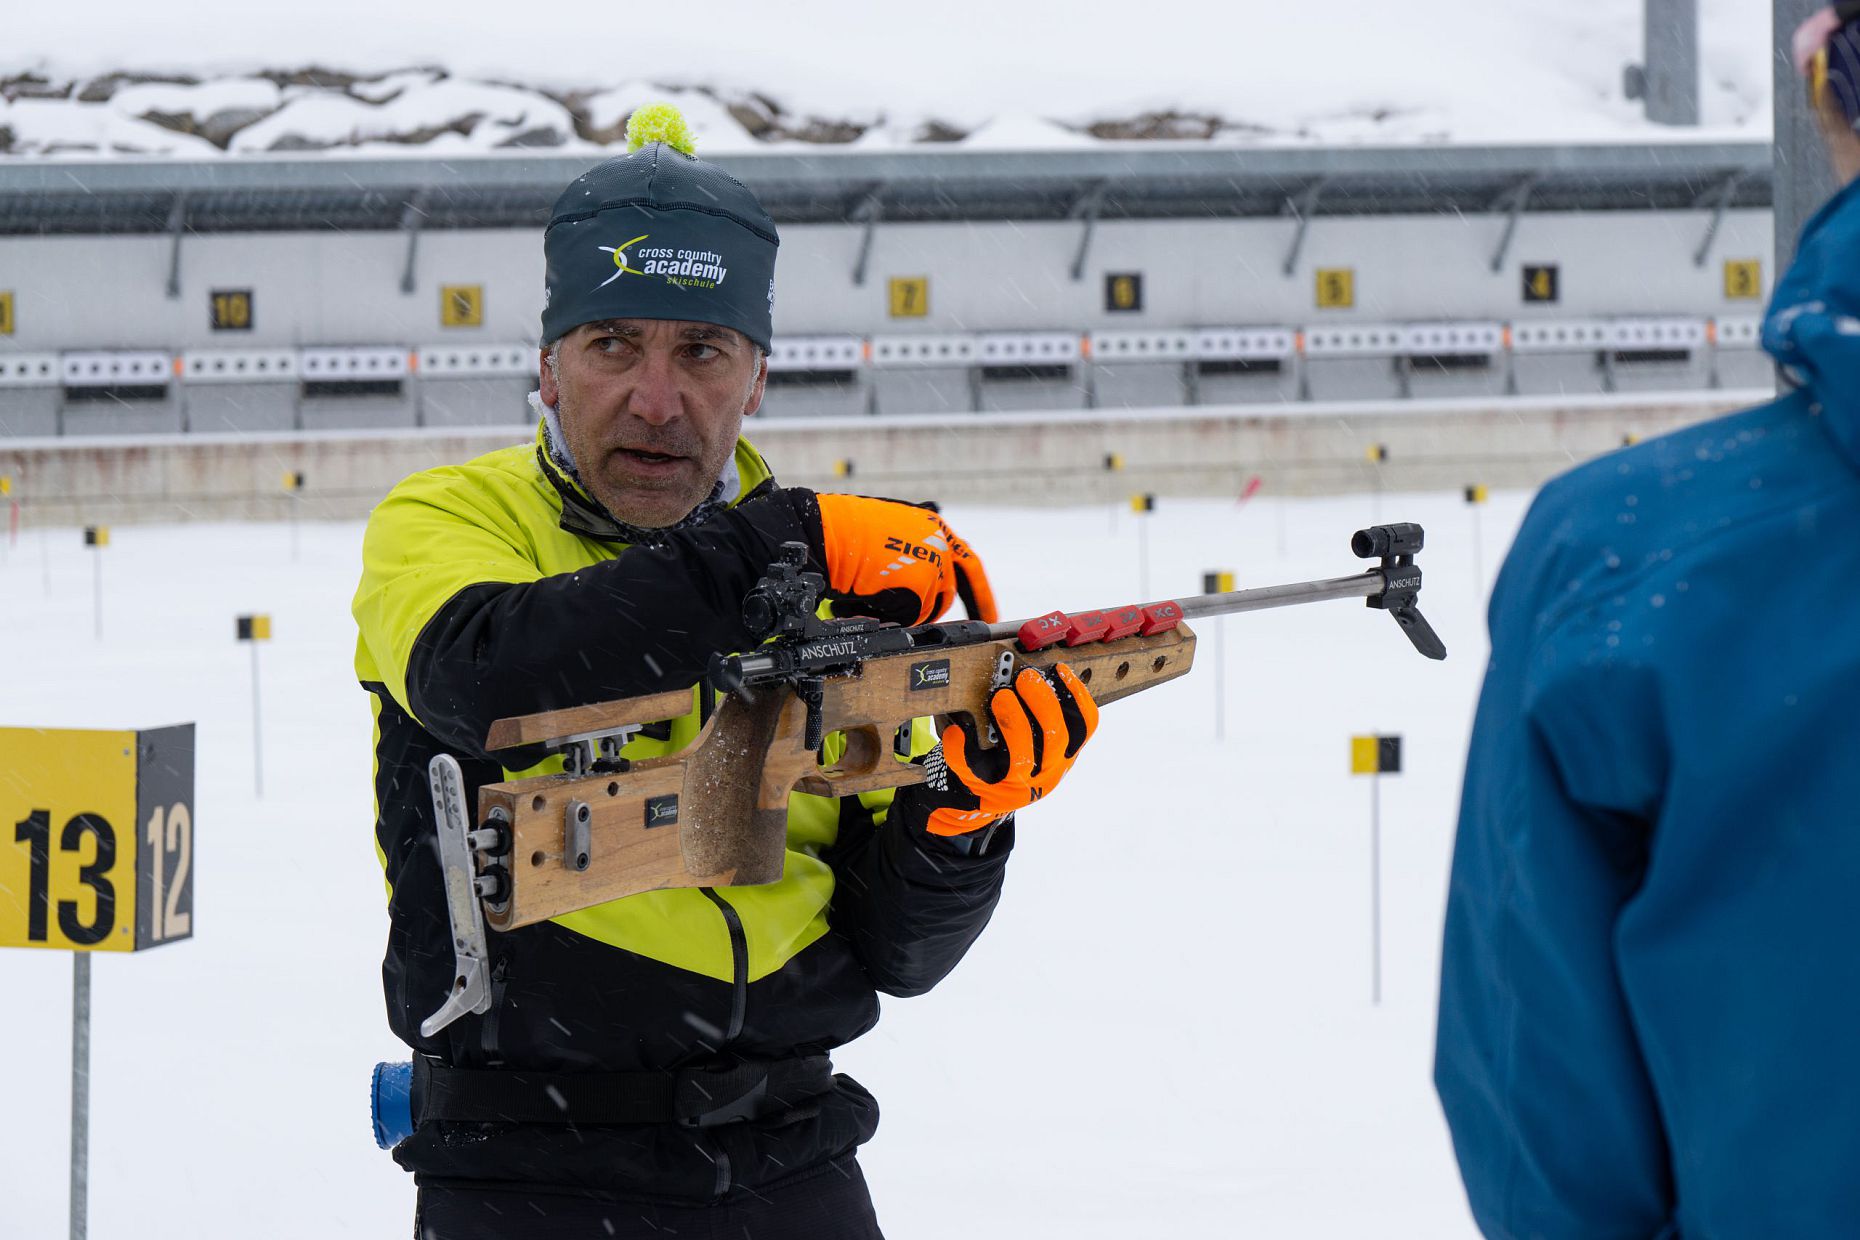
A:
(481, 75)
(1166, 1031)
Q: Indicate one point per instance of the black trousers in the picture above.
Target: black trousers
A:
(829, 1204)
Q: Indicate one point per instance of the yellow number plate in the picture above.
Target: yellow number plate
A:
(461, 305)
(96, 838)
(1743, 279)
(1336, 288)
(910, 297)
(231, 309)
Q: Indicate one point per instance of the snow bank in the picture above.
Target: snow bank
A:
(838, 71)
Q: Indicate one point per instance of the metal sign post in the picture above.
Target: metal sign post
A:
(255, 629)
(100, 858)
(80, 1094)
(1113, 464)
(294, 487)
(1475, 499)
(1375, 756)
(1219, 582)
(1143, 505)
(1378, 455)
(97, 537)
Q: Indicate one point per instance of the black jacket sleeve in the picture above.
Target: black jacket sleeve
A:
(645, 622)
(910, 902)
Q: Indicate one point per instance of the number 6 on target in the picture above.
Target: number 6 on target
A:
(96, 838)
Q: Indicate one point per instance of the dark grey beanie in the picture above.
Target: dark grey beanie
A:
(658, 234)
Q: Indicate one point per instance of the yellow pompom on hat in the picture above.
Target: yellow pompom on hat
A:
(659, 122)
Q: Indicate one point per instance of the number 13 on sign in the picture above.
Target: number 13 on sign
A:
(75, 872)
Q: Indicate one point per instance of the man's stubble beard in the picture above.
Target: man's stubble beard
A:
(590, 458)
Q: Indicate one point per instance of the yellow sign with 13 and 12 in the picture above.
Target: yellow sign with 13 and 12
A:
(96, 838)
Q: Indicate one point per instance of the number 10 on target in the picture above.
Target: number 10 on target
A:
(96, 838)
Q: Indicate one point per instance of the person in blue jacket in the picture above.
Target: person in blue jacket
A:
(1650, 989)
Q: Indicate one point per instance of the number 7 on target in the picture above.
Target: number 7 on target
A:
(910, 297)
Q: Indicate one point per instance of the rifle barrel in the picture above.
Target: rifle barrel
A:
(1357, 585)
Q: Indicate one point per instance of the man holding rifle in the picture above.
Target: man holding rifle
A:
(610, 560)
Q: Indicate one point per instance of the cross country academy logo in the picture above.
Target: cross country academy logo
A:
(621, 261)
(686, 268)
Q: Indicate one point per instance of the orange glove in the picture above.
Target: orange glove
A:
(1044, 720)
(898, 562)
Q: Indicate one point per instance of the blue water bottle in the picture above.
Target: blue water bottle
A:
(392, 1103)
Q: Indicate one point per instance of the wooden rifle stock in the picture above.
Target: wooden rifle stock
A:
(715, 814)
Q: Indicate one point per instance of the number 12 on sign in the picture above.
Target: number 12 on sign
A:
(167, 919)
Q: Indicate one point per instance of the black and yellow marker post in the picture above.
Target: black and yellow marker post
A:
(1113, 464)
(1475, 500)
(12, 512)
(99, 858)
(253, 630)
(1143, 505)
(97, 537)
(294, 487)
(1219, 581)
(1375, 756)
(1377, 454)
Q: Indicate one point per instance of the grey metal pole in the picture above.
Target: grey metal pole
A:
(80, 1094)
(1803, 178)
(1220, 678)
(258, 747)
(1260, 598)
(1143, 556)
(1668, 81)
(1478, 556)
(1375, 888)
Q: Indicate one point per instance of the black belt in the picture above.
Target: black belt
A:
(693, 1097)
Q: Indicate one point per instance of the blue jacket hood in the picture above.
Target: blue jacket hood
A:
(1813, 325)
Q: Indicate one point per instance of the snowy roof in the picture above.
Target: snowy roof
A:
(489, 77)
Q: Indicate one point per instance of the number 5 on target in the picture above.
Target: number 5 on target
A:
(96, 838)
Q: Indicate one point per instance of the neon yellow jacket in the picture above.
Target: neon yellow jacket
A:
(476, 603)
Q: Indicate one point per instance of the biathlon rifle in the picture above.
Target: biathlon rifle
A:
(715, 813)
